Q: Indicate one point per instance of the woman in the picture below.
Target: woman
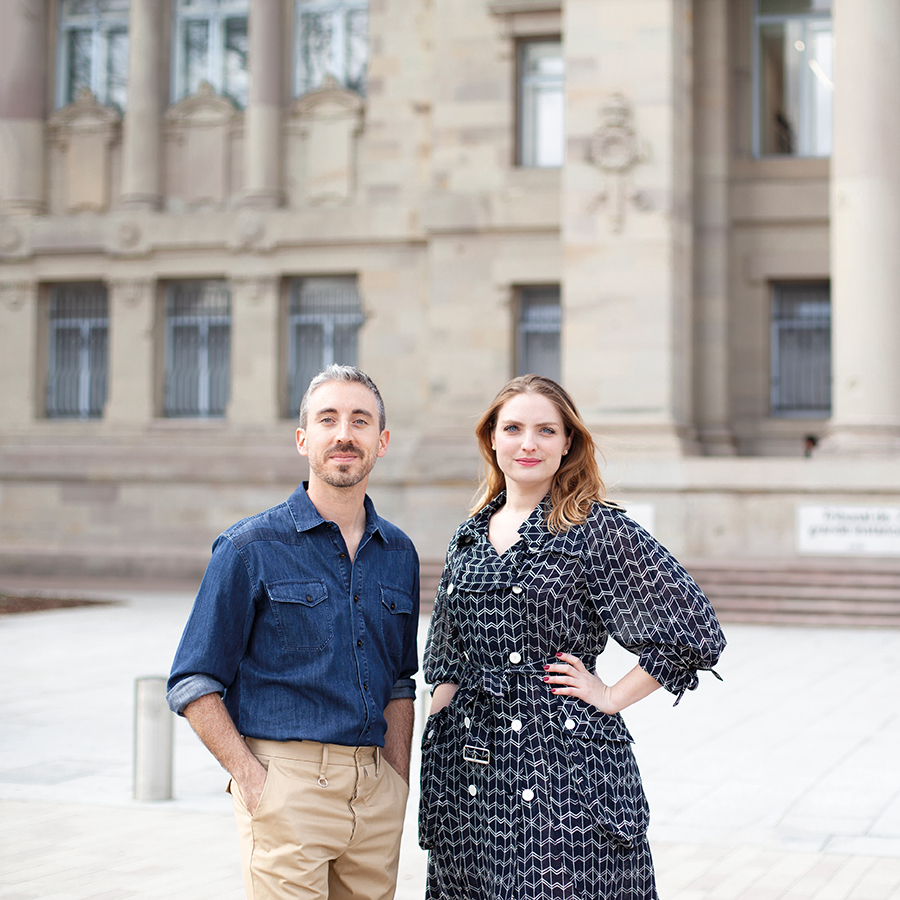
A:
(529, 787)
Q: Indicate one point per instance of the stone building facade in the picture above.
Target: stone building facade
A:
(687, 210)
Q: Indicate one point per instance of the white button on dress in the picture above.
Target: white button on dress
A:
(467, 721)
(473, 790)
(516, 725)
(570, 724)
(528, 795)
(515, 658)
(517, 589)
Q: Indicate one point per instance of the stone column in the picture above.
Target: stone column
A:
(712, 151)
(865, 229)
(142, 134)
(255, 351)
(131, 352)
(262, 118)
(627, 220)
(19, 349)
(23, 39)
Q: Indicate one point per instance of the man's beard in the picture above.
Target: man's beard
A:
(346, 475)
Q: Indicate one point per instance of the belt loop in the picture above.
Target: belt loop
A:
(377, 760)
(323, 781)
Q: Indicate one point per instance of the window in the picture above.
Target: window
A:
(540, 318)
(92, 51)
(542, 133)
(77, 351)
(330, 39)
(198, 345)
(324, 318)
(801, 350)
(794, 78)
(211, 45)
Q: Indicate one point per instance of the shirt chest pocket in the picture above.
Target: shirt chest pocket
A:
(396, 608)
(303, 615)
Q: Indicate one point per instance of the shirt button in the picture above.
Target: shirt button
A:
(516, 725)
(430, 734)
(528, 795)
(473, 790)
(515, 658)
(517, 589)
(450, 588)
(359, 643)
(355, 598)
(467, 722)
(570, 724)
(343, 555)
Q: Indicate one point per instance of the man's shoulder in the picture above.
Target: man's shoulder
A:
(266, 525)
(394, 538)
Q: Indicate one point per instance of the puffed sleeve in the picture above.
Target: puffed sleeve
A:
(443, 660)
(648, 602)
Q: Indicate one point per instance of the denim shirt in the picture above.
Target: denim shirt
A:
(303, 643)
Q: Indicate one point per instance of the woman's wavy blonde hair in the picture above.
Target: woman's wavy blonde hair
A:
(577, 482)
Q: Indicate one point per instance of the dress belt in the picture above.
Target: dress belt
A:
(495, 681)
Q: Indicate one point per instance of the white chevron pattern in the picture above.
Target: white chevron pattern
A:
(558, 812)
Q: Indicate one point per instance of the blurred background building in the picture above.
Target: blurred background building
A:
(686, 210)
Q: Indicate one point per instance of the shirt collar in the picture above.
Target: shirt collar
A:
(306, 516)
(533, 530)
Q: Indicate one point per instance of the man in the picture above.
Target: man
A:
(305, 623)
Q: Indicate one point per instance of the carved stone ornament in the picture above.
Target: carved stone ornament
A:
(616, 150)
(10, 238)
(13, 294)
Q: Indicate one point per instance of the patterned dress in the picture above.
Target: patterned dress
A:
(527, 795)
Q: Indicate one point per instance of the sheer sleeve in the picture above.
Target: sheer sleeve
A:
(443, 659)
(648, 602)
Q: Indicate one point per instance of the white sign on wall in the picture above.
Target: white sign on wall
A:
(849, 530)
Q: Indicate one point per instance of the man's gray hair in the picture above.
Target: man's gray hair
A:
(346, 374)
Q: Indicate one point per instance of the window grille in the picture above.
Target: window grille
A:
(211, 44)
(794, 78)
(801, 350)
(92, 51)
(77, 352)
(331, 38)
(541, 104)
(540, 320)
(198, 349)
(324, 318)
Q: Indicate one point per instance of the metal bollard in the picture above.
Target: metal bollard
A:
(152, 740)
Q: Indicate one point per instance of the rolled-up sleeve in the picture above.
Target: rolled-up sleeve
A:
(650, 604)
(216, 634)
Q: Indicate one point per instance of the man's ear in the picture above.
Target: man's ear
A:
(383, 439)
(301, 442)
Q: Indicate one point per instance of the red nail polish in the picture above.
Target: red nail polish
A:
(546, 678)
(559, 655)
(546, 667)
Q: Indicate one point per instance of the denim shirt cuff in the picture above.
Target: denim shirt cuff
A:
(190, 689)
(404, 689)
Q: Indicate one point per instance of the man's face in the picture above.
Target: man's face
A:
(342, 439)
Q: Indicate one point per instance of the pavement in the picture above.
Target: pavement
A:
(782, 781)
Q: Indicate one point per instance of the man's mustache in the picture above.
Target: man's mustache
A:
(343, 449)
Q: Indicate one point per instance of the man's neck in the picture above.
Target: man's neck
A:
(343, 506)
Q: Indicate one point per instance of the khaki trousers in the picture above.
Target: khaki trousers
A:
(328, 823)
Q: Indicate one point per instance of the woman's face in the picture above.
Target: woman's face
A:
(530, 440)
